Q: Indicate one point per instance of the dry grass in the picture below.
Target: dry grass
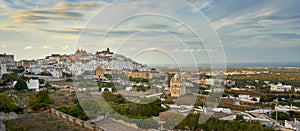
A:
(41, 122)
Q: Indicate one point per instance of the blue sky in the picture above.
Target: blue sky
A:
(250, 31)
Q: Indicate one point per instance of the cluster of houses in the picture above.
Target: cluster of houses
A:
(75, 64)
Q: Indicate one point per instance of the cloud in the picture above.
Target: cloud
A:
(200, 4)
(61, 11)
(65, 47)
(7, 27)
(46, 47)
(44, 15)
(63, 31)
(153, 26)
(4, 6)
(77, 6)
(28, 47)
(3, 46)
(195, 50)
(152, 49)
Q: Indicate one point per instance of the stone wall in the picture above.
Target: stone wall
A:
(76, 121)
(6, 117)
(2, 126)
(125, 123)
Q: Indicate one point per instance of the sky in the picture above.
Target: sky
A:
(154, 32)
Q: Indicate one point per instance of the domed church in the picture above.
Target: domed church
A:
(177, 86)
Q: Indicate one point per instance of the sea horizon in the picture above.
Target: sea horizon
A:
(240, 65)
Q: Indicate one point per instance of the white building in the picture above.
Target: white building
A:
(297, 89)
(36, 70)
(56, 73)
(286, 108)
(128, 89)
(3, 69)
(248, 98)
(33, 85)
(280, 87)
(294, 125)
(223, 110)
(8, 60)
(109, 89)
(209, 81)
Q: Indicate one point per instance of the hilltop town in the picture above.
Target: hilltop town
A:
(264, 98)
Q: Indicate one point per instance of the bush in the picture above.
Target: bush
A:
(75, 111)
(69, 80)
(45, 74)
(6, 103)
(213, 124)
(40, 100)
(21, 85)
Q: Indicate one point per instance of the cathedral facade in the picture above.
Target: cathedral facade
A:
(177, 86)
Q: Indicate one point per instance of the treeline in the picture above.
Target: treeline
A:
(40, 101)
(143, 80)
(133, 110)
(111, 85)
(21, 81)
(213, 124)
(7, 104)
(75, 111)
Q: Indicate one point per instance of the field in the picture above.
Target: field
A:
(41, 121)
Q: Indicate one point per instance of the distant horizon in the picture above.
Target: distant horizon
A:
(241, 65)
(228, 64)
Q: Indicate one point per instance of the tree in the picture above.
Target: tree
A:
(6, 103)
(9, 77)
(108, 76)
(106, 89)
(239, 118)
(41, 81)
(40, 100)
(75, 111)
(45, 74)
(110, 97)
(254, 99)
(281, 116)
(21, 85)
(48, 85)
(69, 80)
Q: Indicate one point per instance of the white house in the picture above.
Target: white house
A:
(250, 87)
(36, 69)
(224, 110)
(209, 81)
(248, 98)
(294, 125)
(280, 87)
(297, 89)
(33, 85)
(3, 69)
(56, 73)
(286, 108)
(103, 89)
(128, 89)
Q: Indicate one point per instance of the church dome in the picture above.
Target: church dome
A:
(176, 76)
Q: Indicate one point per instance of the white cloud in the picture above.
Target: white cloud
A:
(4, 6)
(200, 4)
(232, 20)
(79, 6)
(28, 47)
(46, 47)
(65, 47)
(152, 49)
(3, 46)
(195, 50)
